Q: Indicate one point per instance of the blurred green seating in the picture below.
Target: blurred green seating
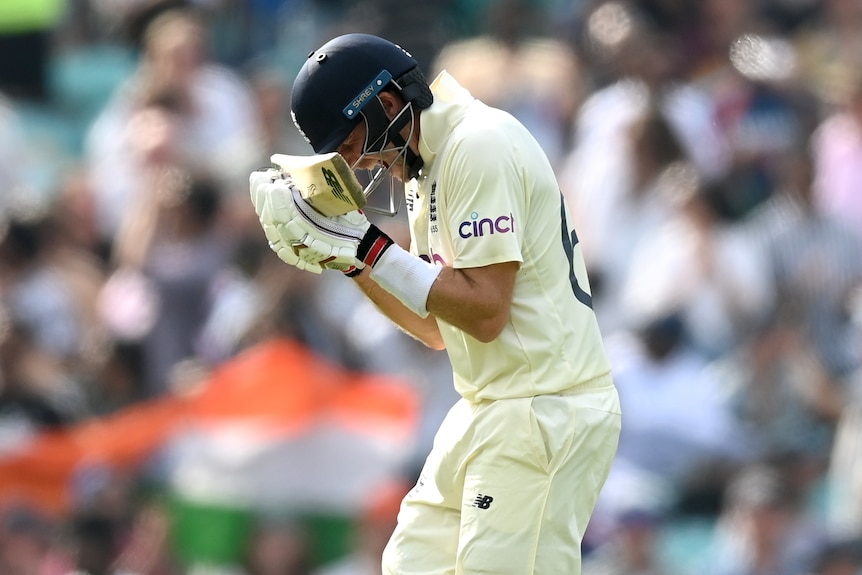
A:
(81, 83)
(685, 544)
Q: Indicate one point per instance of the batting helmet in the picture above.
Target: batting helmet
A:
(338, 81)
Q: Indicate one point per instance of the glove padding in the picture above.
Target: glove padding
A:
(271, 197)
(300, 235)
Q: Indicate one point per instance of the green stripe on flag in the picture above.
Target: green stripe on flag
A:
(213, 534)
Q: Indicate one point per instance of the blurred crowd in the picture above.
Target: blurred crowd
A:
(710, 152)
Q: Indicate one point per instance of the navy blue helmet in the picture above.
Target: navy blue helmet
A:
(339, 79)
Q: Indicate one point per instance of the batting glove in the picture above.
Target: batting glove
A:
(346, 242)
(273, 203)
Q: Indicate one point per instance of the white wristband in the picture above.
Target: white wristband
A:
(407, 277)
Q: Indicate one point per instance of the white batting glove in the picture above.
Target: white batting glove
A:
(331, 241)
(359, 242)
(273, 203)
(303, 237)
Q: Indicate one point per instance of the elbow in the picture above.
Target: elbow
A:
(489, 329)
(437, 345)
(485, 336)
(434, 341)
(430, 338)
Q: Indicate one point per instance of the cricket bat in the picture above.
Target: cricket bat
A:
(325, 182)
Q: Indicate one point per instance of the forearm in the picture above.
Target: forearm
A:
(424, 329)
(412, 292)
(475, 300)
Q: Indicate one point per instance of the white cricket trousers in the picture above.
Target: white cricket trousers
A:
(509, 486)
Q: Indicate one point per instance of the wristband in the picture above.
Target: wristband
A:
(373, 245)
(405, 276)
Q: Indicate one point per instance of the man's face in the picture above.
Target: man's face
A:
(351, 151)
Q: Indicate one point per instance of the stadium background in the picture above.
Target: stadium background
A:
(174, 400)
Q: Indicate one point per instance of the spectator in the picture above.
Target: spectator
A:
(599, 173)
(719, 24)
(238, 300)
(278, 546)
(633, 548)
(218, 128)
(763, 529)
(757, 108)
(178, 255)
(25, 540)
(830, 49)
(37, 293)
(837, 150)
(659, 172)
(147, 548)
(272, 95)
(677, 423)
(814, 260)
(783, 397)
(842, 557)
(95, 544)
(845, 457)
(374, 527)
(534, 76)
(36, 393)
(702, 265)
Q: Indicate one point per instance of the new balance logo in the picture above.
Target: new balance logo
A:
(483, 501)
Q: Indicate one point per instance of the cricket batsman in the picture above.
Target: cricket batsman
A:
(494, 275)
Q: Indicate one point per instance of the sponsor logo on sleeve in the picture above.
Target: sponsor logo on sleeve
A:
(477, 227)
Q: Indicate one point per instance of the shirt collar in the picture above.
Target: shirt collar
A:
(451, 101)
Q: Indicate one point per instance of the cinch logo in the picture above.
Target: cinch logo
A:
(483, 501)
(476, 228)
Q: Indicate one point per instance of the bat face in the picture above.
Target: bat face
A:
(325, 181)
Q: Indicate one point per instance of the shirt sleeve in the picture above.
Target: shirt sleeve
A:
(482, 198)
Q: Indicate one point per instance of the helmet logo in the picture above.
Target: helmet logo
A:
(406, 53)
(298, 127)
(372, 89)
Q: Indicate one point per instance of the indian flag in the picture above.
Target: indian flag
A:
(275, 431)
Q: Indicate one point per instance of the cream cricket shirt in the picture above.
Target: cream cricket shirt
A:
(487, 194)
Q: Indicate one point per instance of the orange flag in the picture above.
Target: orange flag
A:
(278, 383)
